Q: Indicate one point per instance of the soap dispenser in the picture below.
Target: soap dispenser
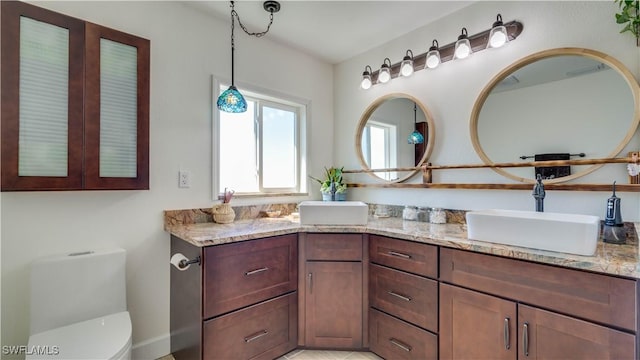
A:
(613, 231)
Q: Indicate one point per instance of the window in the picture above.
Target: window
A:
(379, 147)
(262, 150)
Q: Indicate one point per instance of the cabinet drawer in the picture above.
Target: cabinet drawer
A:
(421, 259)
(395, 339)
(409, 297)
(334, 247)
(263, 331)
(241, 274)
(600, 298)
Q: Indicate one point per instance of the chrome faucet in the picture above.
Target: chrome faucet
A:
(538, 193)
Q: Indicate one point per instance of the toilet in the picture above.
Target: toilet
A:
(79, 307)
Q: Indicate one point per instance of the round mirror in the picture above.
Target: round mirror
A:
(557, 104)
(396, 131)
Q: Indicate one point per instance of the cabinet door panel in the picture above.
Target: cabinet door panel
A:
(333, 308)
(263, 331)
(116, 126)
(241, 274)
(395, 339)
(413, 257)
(334, 247)
(42, 98)
(475, 325)
(552, 336)
(409, 297)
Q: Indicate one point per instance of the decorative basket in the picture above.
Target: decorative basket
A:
(223, 213)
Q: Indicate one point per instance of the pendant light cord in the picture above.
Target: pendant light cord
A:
(233, 44)
(256, 34)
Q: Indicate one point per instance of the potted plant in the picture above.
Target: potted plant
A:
(630, 15)
(332, 175)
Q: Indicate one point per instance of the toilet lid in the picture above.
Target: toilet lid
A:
(100, 338)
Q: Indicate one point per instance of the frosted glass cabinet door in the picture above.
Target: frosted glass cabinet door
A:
(116, 110)
(75, 103)
(42, 94)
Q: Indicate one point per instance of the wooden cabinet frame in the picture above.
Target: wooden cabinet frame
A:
(83, 104)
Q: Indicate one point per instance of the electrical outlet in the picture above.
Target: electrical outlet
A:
(184, 179)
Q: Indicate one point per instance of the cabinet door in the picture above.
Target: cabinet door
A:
(333, 308)
(116, 110)
(42, 98)
(475, 325)
(547, 335)
(395, 339)
(244, 273)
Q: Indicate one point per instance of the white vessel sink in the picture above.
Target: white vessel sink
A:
(567, 233)
(333, 213)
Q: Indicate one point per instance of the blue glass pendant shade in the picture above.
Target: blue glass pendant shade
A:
(232, 101)
(415, 138)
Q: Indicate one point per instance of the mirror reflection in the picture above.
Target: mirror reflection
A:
(556, 106)
(394, 132)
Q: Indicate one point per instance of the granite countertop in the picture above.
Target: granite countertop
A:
(622, 260)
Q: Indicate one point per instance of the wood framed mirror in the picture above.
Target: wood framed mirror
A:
(563, 102)
(382, 136)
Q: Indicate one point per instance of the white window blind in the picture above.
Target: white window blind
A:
(118, 109)
(44, 87)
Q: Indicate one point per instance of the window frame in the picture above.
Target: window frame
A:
(272, 99)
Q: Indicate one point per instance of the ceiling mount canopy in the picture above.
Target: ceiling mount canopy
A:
(231, 100)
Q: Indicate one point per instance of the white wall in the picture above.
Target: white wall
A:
(450, 92)
(187, 47)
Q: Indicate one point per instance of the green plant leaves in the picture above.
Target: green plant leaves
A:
(630, 15)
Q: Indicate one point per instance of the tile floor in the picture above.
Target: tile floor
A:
(318, 355)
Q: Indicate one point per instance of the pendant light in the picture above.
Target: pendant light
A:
(231, 100)
(433, 56)
(498, 35)
(384, 75)
(415, 137)
(406, 67)
(463, 46)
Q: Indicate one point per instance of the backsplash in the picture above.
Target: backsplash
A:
(246, 212)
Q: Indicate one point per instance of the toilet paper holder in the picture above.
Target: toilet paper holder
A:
(184, 263)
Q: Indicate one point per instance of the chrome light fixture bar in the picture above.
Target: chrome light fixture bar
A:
(478, 42)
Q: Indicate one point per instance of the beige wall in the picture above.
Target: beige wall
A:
(187, 47)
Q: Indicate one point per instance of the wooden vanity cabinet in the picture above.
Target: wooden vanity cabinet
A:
(240, 302)
(331, 286)
(403, 318)
(502, 308)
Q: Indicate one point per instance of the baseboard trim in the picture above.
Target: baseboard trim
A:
(152, 349)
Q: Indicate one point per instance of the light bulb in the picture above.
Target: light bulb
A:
(384, 75)
(433, 56)
(366, 82)
(498, 37)
(406, 69)
(463, 49)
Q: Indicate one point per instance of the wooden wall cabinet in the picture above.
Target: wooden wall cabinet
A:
(75, 103)
(543, 312)
(240, 303)
(331, 291)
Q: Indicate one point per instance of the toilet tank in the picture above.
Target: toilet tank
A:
(74, 287)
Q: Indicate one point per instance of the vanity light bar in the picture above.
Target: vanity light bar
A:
(478, 42)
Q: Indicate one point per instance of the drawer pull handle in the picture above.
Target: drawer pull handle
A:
(400, 344)
(256, 271)
(405, 298)
(525, 339)
(507, 339)
(310, 283)
(255, 336)
(404, 256)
